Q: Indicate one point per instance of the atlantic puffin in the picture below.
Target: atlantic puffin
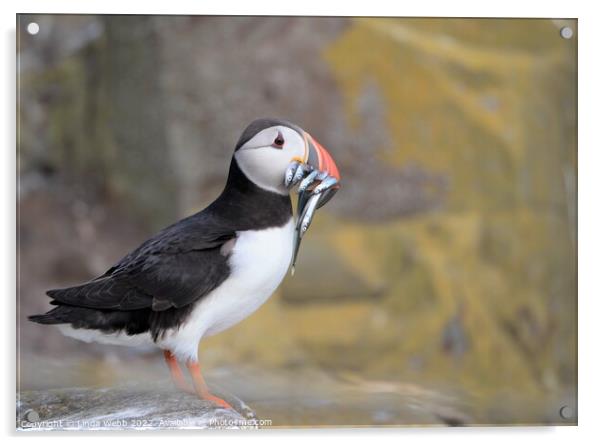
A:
(209, 271)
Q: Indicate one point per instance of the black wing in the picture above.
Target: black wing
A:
(176, 267)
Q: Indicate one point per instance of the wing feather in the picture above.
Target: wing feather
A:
(176, 267)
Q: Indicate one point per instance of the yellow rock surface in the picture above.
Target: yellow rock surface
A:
(482, 292)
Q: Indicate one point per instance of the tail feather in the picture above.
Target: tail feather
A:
(132, 322)
(54, 316)
(44, 319)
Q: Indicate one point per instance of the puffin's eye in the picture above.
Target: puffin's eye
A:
(279, 141)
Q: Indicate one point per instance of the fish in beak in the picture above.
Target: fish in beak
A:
(319, 181)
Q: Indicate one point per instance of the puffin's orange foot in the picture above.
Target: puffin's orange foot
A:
(201, 387)
(217, 401)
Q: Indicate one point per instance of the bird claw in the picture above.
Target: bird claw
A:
(219, 402)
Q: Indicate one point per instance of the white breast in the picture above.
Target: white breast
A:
(258, 263)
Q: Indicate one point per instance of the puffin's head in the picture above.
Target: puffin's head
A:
(268, 146)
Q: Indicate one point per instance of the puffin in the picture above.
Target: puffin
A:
(208, 271)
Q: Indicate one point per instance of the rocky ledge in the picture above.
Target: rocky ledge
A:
(126, 408)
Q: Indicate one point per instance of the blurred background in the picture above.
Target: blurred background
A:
(438, 287)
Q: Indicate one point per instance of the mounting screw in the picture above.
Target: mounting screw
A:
(566, 412)
(32, 416)
(33, 28)
(566, 32)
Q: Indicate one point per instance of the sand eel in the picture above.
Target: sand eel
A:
(210, 270)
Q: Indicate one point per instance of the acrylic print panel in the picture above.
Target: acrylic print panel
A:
(436, 287)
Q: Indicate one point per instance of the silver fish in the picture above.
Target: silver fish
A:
(308, 206)
(309, 202)
(316, 188)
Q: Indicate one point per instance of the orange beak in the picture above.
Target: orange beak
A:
(318, 157)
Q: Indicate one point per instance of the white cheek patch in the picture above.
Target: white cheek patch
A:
(266, 165)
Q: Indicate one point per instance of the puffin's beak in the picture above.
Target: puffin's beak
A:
(319, 158)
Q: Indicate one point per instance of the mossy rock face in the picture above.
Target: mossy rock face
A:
(491, 106)
(479, 117)
(123, 408)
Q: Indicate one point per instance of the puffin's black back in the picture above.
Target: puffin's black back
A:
(154, 287)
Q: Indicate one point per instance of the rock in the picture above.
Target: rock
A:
(125, 408)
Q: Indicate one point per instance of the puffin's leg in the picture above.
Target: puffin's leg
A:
(176, 373)
(201, 387)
